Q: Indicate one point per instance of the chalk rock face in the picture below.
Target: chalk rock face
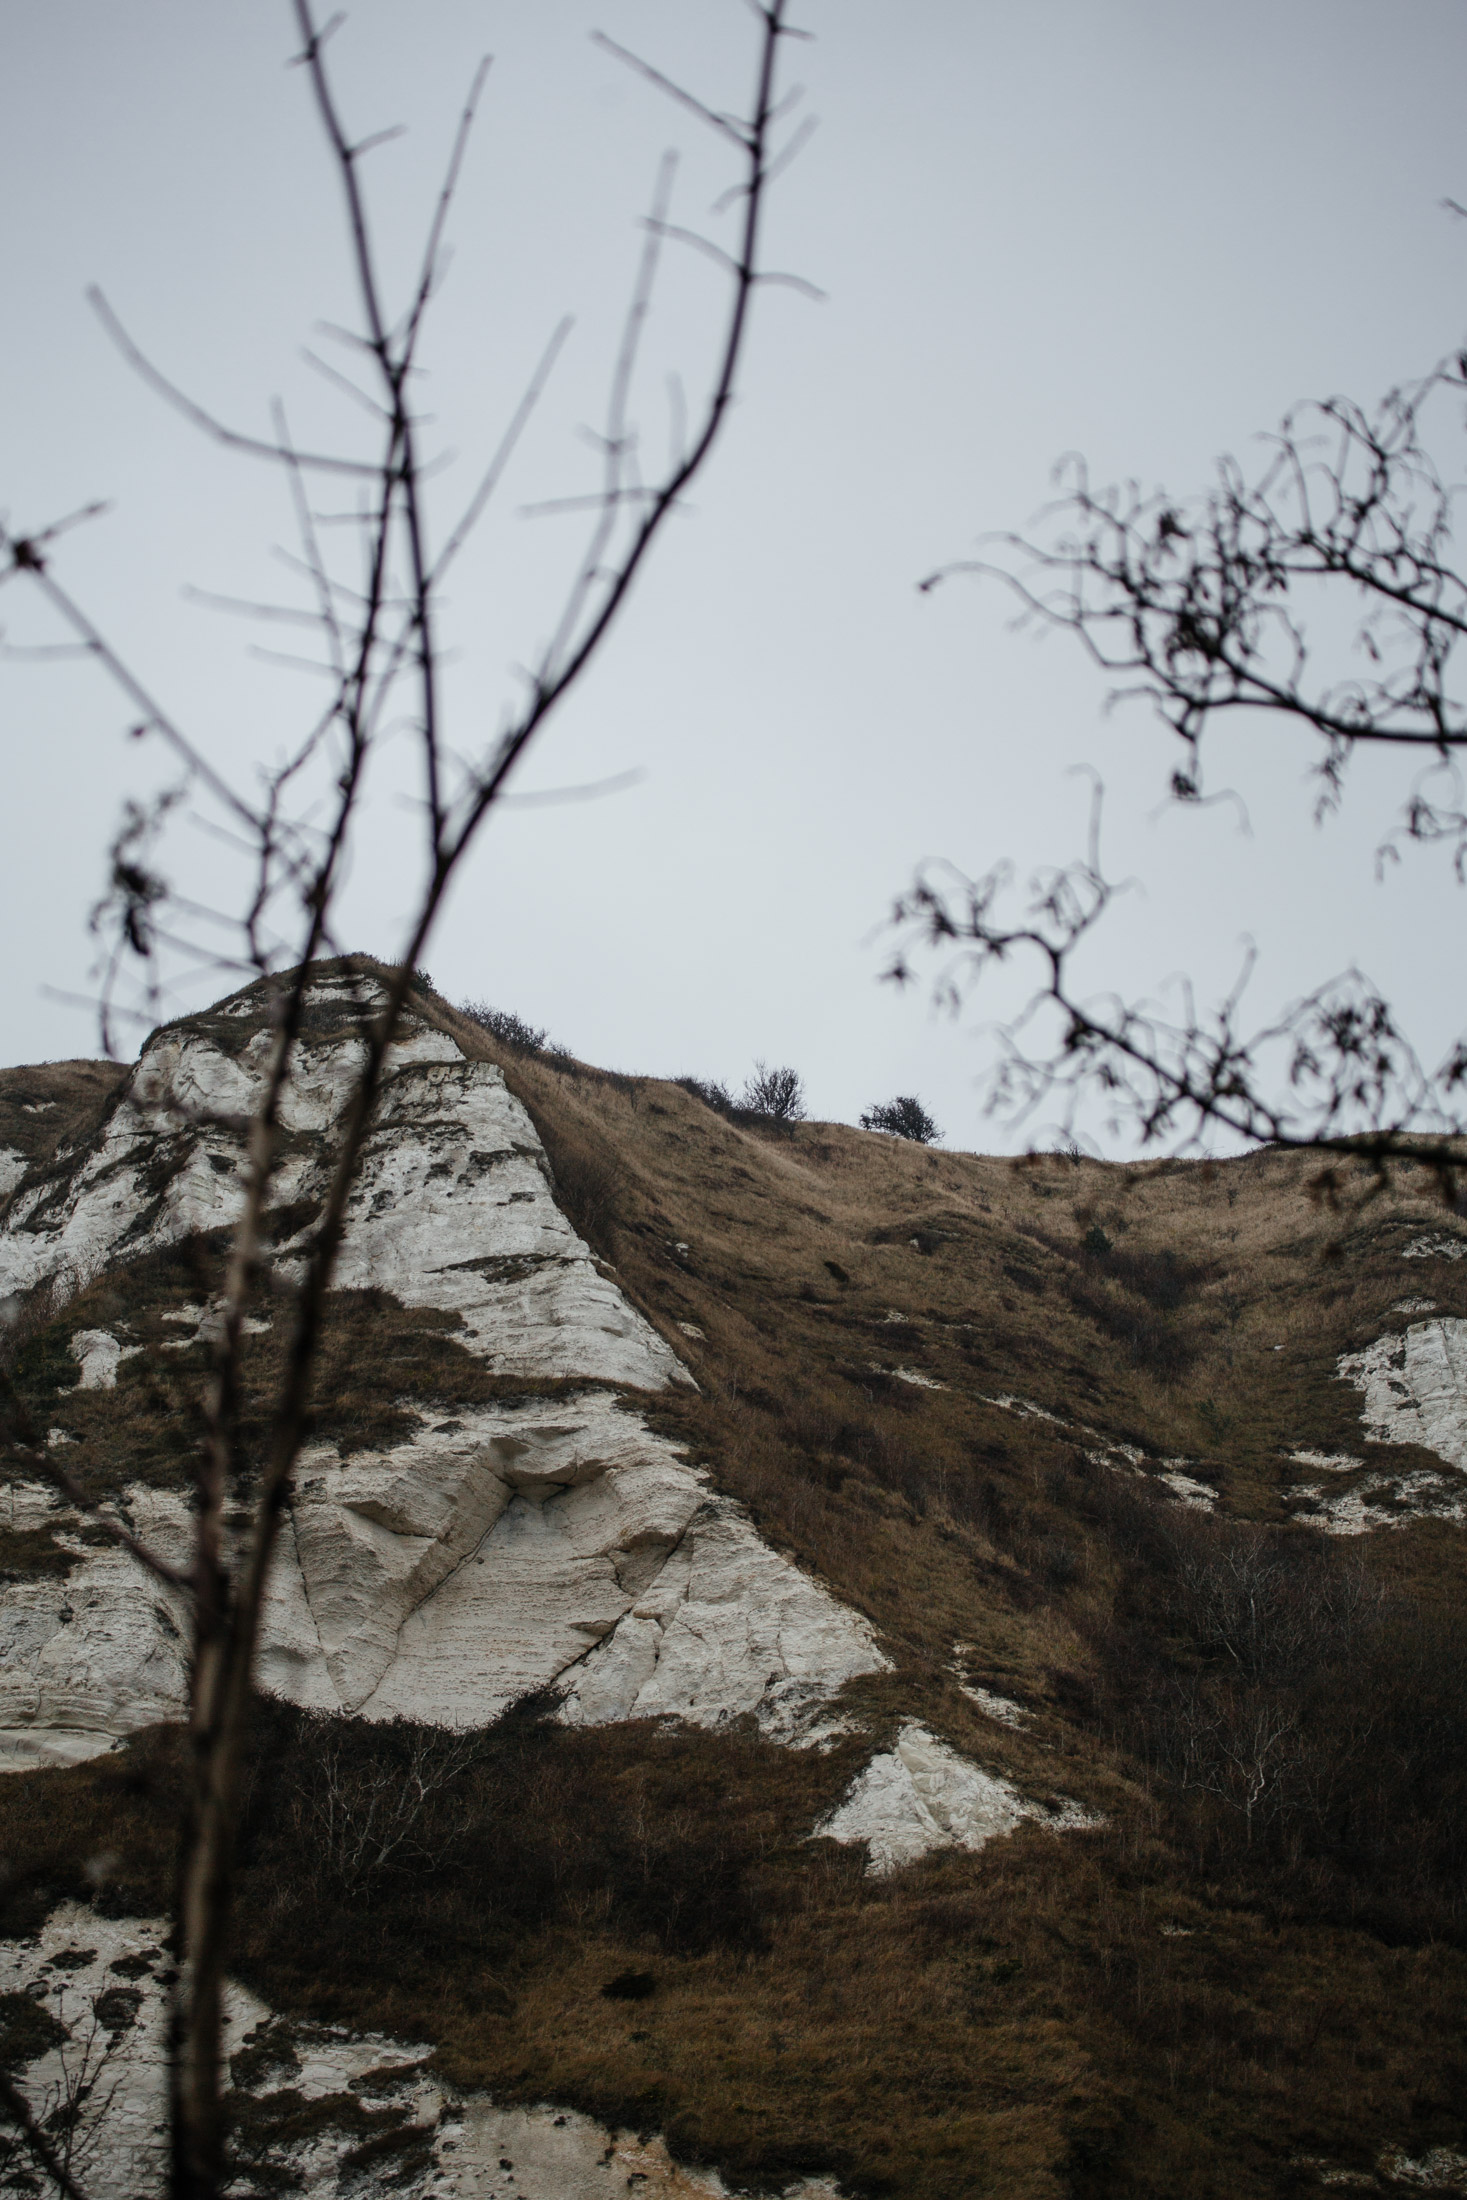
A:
(452, 1208)
(89, 1657)
(1416, 1388)
(502, 1550)
(510, 1551)
(102, 1979)
(518, 1549)
(921, 1795)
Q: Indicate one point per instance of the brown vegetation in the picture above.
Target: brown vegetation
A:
(1257, 1959)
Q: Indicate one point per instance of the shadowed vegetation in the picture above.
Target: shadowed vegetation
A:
(917, 1370)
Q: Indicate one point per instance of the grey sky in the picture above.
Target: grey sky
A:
(1139, 231)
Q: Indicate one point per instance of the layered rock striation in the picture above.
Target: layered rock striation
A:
(322, 2110)
(499, 1552)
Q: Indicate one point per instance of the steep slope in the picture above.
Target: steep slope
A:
(1123, 1503)
(506, 1549)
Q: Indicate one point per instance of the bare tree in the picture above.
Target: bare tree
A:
(365, 1811)
(376, 615)
(1225, 607)
(62, 2131)
(778, 1093)
(904, 1117)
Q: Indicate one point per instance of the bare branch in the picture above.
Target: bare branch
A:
(141, 365)
(18, 2109)
(446, 194)
(494, 472)
(721, 123)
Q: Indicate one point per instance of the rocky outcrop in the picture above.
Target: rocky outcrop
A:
(452, 1208)
(95, 1654)
(551, 1544)
(512, 1551)
(1415, 1392)
(921, 1795)
(500, 1551)
(317, 2109)
(1415, 1388)
(492, 1557)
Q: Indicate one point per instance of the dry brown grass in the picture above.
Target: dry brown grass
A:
(1016, 2023)
(55, 1104)
(1053, 2017)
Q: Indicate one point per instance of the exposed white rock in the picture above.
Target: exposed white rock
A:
(1122, 1458)
(452, 1208)
(921, 1795)
(13, 1166)
(1444, 1245)
(1024, 1407)
(1414, 1306)
(1380, 1501)
(90, 1657)
(498, 1553)
(1439, 2169)
(912, 1375)
(1002, 1708)
(1185, 1487)
(98, 1354)
(456, 2146)
(206, 1324)
(516, 1549)
(1415, 1388)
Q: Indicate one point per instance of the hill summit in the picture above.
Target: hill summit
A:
(895, 1670)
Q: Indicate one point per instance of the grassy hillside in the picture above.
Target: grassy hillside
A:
(1250, 1975)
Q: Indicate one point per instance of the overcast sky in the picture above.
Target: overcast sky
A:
(1135, 230)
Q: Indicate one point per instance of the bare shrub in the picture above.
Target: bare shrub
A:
(776, 1094)
(712, 1094)
(1309, 1725)
(904, 1117)
(503, 1024)
(361, 1798)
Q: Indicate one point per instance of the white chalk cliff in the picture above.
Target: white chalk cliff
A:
(100, 1982)
(500, 1551)
(1415, 1388)
(1415, 1392)
(452, 1208)
(921, 1795)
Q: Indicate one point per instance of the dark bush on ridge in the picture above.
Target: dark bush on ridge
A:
(769, 1096)
(502, 1024)
(904, 1117)
(711, 1093)
(776, 1094)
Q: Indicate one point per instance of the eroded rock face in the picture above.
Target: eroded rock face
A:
(1416, 1388)
(921, 1795)
(103, 1981)
(501, 1550)
(513, 1550)
(502, 1553)
(498, 1552)
(452, 1208)
(93, 1655)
